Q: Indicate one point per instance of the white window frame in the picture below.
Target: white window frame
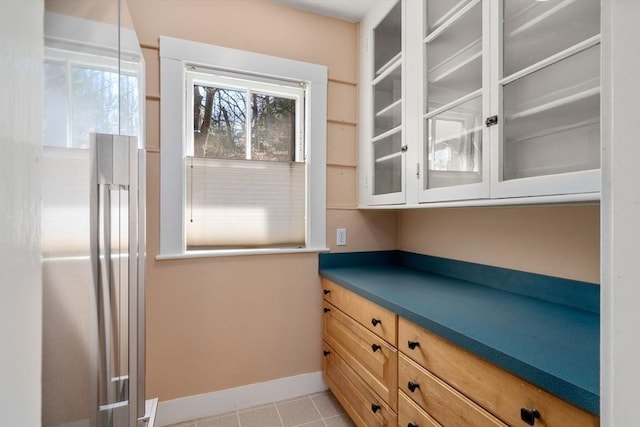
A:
(70, 59)
(282, 89)
(176, 55)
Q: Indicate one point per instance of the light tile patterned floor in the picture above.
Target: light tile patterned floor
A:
(316, 410)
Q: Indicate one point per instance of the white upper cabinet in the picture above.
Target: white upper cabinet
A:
(547, 66)
(478, 101)
(453, 100)
(382, 101)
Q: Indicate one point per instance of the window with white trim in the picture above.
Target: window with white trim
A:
(86, 93)
(243, 140)
(245, 168)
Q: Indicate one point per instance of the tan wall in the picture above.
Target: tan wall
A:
(561, 241)
(216, 323)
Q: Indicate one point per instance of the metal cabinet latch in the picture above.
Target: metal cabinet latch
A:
(491, 121)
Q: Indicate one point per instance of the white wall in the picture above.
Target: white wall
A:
(620, 319)
(21, 44)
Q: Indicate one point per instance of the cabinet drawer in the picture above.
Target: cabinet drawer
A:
(364, 407)
(493, 388)
(445, 404)
(410, 414)
(378, 320)
(373, 359)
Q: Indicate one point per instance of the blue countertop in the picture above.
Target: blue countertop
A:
(552, 345)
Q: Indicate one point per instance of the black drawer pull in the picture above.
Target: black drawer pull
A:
(413, 344)
(326, 291)
(375, 321)
(529, 416)
(412, 425)
(326, 353)
(375, 347)
(326, 310)
(375, 408)
(413, 386)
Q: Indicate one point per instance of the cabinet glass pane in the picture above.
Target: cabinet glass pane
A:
(387, 101)
(454, 146)
(454, 60)
(438, 11)
(387, 164)
(388, 40)
(534, 30)
(552, 118)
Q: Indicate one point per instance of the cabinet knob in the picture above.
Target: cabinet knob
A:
(375, 408)
(326, 310)
(326, 291)
(375, 347)
(326, 353)
(529, 416)
(413, 344)
(412, 425)
(404, 148)
(375, 321)
(413, 386)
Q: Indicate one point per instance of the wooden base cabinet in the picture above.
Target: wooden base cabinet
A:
(411, 415)
(440, 400)
(365, 407)
(371, 316)
(494, 389)
(371, 357)
(360, 363)
(392, 372)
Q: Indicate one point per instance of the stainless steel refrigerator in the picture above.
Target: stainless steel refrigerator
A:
(93, 218)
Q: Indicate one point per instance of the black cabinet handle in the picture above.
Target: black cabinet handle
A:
(375, 321)
(326, 353)
(375, 408)
(412, 425)
(413, 386)
(413, 344)
(529, 416)
(491, 121)
(375, 347)
(326, 310)
(326, 291)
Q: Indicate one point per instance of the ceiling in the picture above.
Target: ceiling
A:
(348, 10)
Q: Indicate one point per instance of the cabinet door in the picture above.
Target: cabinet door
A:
(375, 361)
(454, 100)
(446, 405)
(365, 408)
(383, 107)
(375, 318)
(494, 389)
(547, 71)
(410, 414)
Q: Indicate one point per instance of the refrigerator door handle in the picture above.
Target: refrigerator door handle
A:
(114, 261)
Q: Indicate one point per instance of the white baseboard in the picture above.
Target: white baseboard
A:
(237, 398)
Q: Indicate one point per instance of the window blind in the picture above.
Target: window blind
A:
(244, 203)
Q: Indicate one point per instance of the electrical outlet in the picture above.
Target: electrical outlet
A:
(341, 236)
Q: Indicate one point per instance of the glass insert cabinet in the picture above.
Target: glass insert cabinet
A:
(480, 100)
(386, 141)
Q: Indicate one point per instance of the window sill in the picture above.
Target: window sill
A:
(237, 252)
